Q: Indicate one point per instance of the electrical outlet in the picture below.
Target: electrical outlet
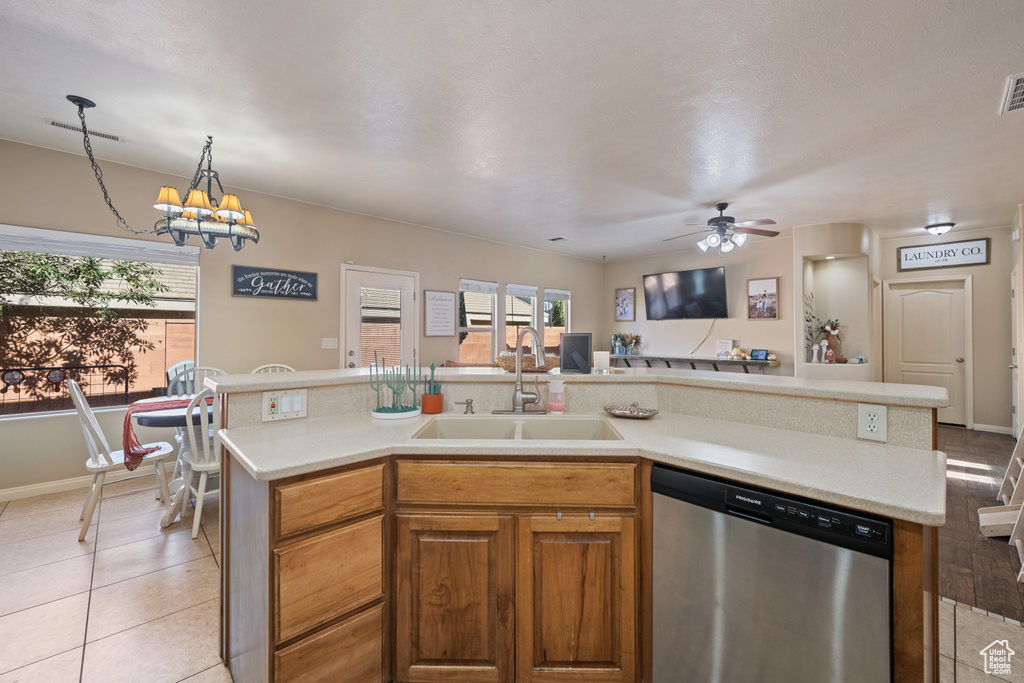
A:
(284, 404)
(871, 422)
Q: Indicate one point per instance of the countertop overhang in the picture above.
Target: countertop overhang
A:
(846, 390)
(897, 482)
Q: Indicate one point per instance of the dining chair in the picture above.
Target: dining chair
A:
(272, 367)
(185, 383)
(188, 380)
(200, 456)
(178, 367)
(102, 459)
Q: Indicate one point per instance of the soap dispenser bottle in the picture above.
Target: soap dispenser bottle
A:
(556, 396)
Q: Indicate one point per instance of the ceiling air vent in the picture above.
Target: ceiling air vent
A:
(1014, 99)
(78, 129)
(559, 239)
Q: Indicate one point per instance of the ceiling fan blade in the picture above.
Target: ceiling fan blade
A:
(668, 239)
(694, 223)
(755, 231)
(754, 224)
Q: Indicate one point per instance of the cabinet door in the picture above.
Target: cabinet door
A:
(454, 585)
(575, 599)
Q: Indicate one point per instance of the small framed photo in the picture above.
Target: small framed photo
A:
(763, 299)
(625, 305)
(759, 354)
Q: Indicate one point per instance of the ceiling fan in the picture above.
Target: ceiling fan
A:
(726, 233)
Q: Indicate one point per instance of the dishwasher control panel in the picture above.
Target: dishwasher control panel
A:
(768, 507)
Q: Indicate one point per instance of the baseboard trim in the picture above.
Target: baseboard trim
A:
(19, 492)
(993, 428)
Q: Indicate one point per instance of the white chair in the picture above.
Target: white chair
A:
(189, 380)
(179, 367)
(102, 459)
(272, 367)
(200, 456)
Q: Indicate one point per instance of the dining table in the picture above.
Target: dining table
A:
(168, 418)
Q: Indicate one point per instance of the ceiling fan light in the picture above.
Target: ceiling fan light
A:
(714, 239)
(738, 239)
(703, 245)
(939, 228)
(727, 246)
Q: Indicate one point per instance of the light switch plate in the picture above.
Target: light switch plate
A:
(284, 405)
(329, 343)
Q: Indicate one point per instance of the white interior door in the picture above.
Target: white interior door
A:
(378, 315)
(1014, 344)
(926, 339)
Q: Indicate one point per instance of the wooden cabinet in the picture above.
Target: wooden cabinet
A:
(454, 586)
(576, 599)
(557, 586)
(306, 580)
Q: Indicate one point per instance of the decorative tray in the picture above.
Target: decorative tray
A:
(634, 411)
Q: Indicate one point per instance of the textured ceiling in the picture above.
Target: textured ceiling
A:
(608, 122)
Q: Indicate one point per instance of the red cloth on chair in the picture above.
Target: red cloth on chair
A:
(133, 450)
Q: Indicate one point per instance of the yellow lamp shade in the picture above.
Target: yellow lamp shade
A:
(247, 219)
(168, 200)
(230, 207)
(200, 201)
(190, 215)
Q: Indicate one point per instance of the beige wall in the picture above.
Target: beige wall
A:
(46, 189)
(991, 303)
(759, 258)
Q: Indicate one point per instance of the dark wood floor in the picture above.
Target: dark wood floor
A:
(974, 569)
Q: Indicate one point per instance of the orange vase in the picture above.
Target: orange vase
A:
(432, 403)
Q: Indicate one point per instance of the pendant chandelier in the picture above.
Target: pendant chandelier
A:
(200, 214)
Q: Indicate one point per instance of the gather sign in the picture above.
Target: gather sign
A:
(945, 255)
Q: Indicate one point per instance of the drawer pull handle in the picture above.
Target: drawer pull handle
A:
(591, 516)
(558, 515)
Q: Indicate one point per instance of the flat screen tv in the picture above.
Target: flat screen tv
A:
(686, 294)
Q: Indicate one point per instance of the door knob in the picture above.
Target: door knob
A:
(1013, 367)
(959, 360)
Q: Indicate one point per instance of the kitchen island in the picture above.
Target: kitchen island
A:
(339, 527)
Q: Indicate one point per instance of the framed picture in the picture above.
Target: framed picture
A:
(763, 299)
(575, 355)
(438, 314)
(625, 305)
(759, 354)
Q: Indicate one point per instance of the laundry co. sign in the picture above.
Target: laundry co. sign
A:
(946, 255)
(282, 284)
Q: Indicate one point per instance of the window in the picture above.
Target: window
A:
(477, 304)
(556, 318)
(49, 333)
(520, 312)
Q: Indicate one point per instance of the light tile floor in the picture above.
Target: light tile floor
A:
(136, 602)
(133, 602)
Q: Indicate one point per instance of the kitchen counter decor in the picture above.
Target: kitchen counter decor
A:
(397, 380)
(633, 411)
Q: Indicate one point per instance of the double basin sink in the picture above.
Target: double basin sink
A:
(515, 428)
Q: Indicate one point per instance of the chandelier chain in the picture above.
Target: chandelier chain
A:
(99, 178)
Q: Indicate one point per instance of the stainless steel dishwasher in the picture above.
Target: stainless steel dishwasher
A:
(750, 585)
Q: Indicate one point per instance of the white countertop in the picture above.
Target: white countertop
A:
(903, 483)
(848, 390)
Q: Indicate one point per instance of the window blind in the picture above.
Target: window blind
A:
(556, 295)
(39, 241)
(480, 286)
(521, 290)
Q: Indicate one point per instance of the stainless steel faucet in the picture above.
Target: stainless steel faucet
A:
(521, 398)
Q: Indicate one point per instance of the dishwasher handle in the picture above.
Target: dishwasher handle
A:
(751, 516)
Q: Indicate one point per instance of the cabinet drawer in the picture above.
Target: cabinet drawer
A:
(351, 651)
(522, 483)
(325, 576)
(313, 503)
